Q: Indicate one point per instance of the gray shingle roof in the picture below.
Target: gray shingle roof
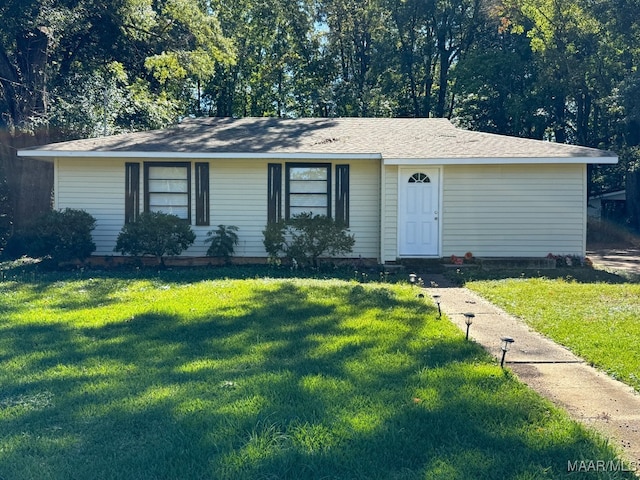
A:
(392, 138)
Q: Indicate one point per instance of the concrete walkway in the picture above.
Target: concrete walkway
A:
(625, 261)
(589, 396)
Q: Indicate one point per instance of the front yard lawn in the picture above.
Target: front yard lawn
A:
(163, 378)
(597, 321)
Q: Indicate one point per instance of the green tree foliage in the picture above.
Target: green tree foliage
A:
(279, 69)
(50, 50)
(157, 234)
(570, 42)
(496, 85)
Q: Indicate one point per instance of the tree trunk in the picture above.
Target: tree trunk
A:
(443, 54)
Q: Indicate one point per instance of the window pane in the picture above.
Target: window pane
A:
(181, 212)
(167, 173)
(309, 201)
(300, 186)
(308, 187)
(168, 186)
(307, 173)
(168, 199)
(314, 211)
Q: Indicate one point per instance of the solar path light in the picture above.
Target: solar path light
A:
(437, 300)
(506, 344)
(468, 320)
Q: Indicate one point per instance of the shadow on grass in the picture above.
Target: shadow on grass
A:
(287, 381)
(577, 274)
(33, 272)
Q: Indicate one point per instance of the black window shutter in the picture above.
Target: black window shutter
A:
(132, 192)
(202, 194)
(342, 194)
(274, 193)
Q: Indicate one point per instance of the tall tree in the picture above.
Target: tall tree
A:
(278, 70)
(572, 49)
(352, 30)
(423, 41)
(417, 54)
(497, 83)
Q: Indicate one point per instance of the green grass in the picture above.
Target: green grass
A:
(597, 321)
(174, 376)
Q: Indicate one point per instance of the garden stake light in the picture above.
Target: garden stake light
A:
(437, 299)
(468, 319)
(412, 279)
(506, 343)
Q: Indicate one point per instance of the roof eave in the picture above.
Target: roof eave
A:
(50, 154)
(501, 160)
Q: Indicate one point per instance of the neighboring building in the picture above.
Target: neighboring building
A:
(608, 206)
(405, 187)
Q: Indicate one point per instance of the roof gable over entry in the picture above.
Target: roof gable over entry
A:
(396, 140)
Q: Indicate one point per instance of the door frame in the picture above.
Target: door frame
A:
(437, 170)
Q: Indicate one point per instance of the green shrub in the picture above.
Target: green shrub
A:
(305, 238)
(157, 234)
(274, 241)
(223, 241)
(59, 235)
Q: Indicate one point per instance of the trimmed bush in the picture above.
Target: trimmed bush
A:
(59, 235)
(157, 234)
(305, 238)
(274, 241)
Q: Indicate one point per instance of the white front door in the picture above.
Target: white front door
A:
(419, 212)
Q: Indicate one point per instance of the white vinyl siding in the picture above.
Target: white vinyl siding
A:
(238, 196)
(390, 214)
(98, 187)
(364, 207)
(514, 211)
